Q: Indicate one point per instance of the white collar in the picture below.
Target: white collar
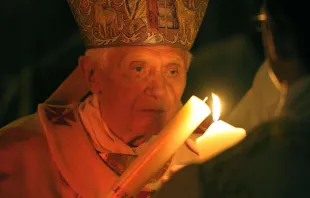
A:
(102, 138)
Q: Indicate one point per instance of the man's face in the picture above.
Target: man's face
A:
(141, 89)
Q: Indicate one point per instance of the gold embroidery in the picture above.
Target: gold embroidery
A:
(138, 22)
(120, 162)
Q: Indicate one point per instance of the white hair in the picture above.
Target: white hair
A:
(100, 55)
(188, 59)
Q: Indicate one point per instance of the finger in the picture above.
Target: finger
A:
(164, 179)
(176, 168)
(191, 145)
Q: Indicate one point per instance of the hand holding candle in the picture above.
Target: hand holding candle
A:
(161, 149)
(219, 136)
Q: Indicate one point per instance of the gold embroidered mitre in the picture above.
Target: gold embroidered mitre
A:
(106, 23)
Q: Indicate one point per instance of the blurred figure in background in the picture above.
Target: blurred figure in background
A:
(273, 160)
(268, 93)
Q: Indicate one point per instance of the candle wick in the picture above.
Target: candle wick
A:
(206, 98)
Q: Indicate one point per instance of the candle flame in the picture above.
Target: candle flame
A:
(216, 107)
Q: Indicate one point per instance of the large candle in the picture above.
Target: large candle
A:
(219, 136)
(162, 148)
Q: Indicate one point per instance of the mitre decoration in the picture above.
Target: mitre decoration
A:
(106, 23)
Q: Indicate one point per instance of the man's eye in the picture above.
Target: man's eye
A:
(173, 71)
(138, 68)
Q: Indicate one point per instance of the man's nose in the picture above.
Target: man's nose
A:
(156, 86)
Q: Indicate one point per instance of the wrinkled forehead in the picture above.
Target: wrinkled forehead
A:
(153, 53)
(127, 53)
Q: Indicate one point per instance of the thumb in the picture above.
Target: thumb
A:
(191, 145)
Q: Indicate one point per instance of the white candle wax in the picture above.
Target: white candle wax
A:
(217, 138)
(162, 148)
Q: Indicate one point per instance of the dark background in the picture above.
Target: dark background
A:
(41, 45)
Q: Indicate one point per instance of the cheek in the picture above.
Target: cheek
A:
(108, 87)
(105, 83)
(125, 77)
(176, 87)
(120, 91)
(175, 91)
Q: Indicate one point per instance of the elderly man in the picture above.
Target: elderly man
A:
(273, 160)
(135, 66)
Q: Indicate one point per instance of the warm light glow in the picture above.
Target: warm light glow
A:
(216, 107)
(197, 106)
(206, 98)
(262, 17)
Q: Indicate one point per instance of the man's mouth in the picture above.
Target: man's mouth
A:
(157, 112)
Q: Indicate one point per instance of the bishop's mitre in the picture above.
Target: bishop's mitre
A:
(105, 23)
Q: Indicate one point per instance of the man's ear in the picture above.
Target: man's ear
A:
(89, 67)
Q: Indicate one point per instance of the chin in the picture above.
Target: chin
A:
(149, 129)
(143, 132)
(154, 130)
(157, 131)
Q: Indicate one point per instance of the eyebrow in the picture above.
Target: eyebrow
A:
(175, 58)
